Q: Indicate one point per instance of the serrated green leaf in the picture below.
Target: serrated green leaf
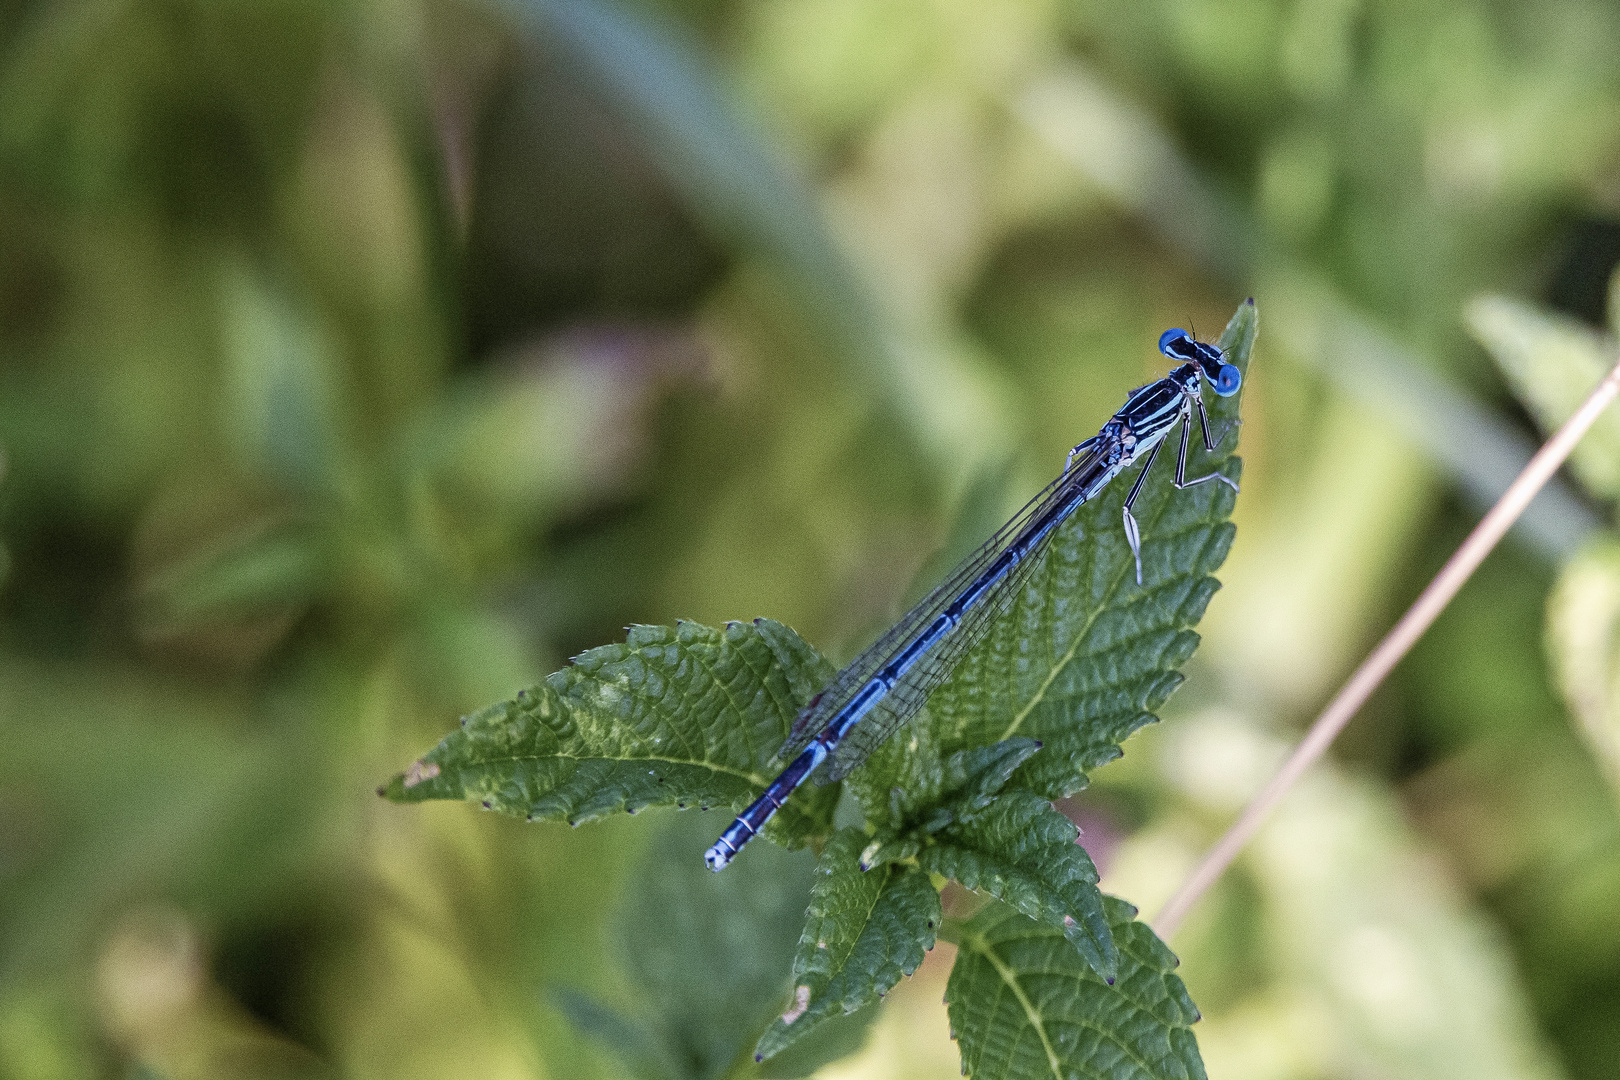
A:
(955, 819)
(865, 930)
(1085, 655)
(1023, 1005)
(676, 716)
(1553, 362)
(1583, 637)
(834, 1038)
(974, 776)
(928, 791)
(1023, 852)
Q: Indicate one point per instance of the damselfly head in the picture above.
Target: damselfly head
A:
(1223, 377)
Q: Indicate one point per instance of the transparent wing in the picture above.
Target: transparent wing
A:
(909, 693)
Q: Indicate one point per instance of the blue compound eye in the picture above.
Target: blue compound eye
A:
(1170, 338)
(1227, 380)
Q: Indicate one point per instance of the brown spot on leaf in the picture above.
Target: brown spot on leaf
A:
(801, 1002)
(420, 771)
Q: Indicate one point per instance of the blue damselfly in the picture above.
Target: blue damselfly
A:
(888, 683)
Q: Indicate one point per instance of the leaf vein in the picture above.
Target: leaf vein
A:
(1104, 603)
(785, 709)
(1009, 978)
(668, 724)
(752, 777)
(735, 705)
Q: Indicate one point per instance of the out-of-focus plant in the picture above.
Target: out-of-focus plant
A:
(1551, 362)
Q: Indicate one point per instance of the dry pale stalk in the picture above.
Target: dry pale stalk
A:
(1418, 618)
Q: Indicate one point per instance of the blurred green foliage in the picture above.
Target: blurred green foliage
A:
(360, 361)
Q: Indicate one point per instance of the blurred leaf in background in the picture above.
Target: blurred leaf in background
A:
(1583, 616)
(1552, 362)
(707, 956)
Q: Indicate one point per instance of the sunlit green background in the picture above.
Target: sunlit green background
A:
(361, 360)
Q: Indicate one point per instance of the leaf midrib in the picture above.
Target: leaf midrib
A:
(1010, 979)
(843, 962)
(754, 778)
(594, 676)
(1104, 603)
(1151, 1006)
